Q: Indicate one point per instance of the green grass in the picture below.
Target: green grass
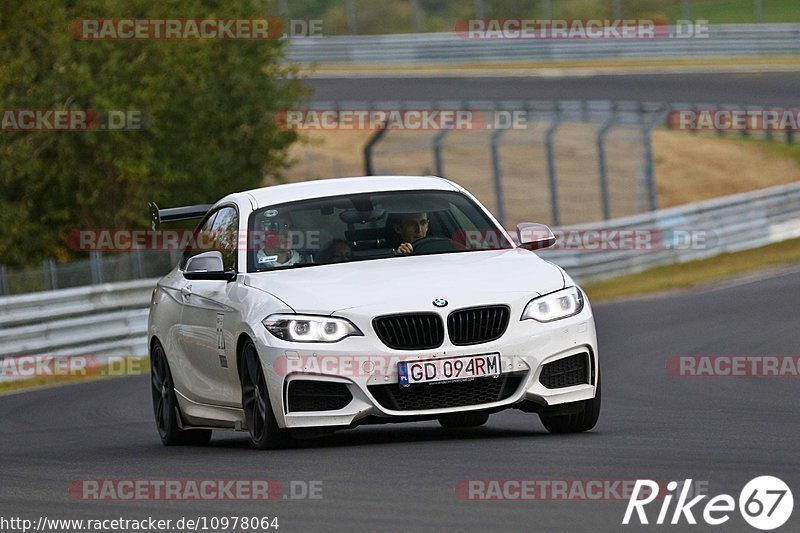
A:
(736, 11)
(777, 146)
(695, 273)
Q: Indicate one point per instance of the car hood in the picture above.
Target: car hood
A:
(407, 283)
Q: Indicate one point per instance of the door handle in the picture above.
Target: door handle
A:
(186, 291)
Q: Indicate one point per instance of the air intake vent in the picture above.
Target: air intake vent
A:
(310, 395)
(566, 372)
(421, 331)
(443, 395)
(477, 325)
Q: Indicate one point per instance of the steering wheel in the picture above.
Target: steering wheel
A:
(434, 244)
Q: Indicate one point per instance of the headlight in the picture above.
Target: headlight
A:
(302, 328)
(555, 306)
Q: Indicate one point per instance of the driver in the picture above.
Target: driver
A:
(410, 227)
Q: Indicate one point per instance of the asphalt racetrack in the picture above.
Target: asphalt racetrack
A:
(768, 89)
(722, 431)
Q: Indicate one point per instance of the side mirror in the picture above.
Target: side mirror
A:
(535, 236)
(207, 266)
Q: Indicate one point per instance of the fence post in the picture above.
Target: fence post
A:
(647, 155)
(551, 164)
(376, 137)
(497, 175)
(3, 280)
(617, 8)
(601, 158)
(759, 9)
(438, 141)
(767, 130)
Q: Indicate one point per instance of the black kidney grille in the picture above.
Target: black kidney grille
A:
(477, 325)
(310, 395)
(421, 331)
(444, 395)
(566, 372)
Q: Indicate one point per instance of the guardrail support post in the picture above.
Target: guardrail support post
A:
(548, 8)
(138, 265)
(95, 265)
(3, 280)
(49, 271)
(551, 165)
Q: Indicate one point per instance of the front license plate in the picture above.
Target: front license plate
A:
(448, 369)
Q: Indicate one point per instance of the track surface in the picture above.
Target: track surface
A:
(402, 477)
(778, 89)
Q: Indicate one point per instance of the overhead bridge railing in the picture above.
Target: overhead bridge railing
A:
(435, 48)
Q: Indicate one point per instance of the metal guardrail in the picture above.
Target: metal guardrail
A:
(727, 224)
(111, 319)
(422, 48)
(99, 320)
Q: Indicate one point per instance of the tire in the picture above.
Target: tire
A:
(165, 404)
(576, 422)
(265, 433)
(464, 420)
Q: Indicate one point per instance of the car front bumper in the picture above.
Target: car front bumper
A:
(363, 364)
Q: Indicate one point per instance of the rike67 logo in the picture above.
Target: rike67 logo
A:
(765, 503)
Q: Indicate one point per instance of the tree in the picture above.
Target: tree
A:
(207, 108)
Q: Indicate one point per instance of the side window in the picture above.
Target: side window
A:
(225, 231)
(202, 240)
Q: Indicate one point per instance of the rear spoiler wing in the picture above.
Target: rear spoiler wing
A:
(173, 214)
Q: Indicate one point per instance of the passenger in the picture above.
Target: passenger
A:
(277, 250)
(410, 227)
(337, 251)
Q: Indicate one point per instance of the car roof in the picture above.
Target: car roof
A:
(290, 192)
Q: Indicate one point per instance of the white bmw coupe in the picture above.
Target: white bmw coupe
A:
(323, 305)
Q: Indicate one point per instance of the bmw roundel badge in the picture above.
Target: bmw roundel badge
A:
(440, 302)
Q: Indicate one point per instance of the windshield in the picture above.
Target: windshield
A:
(368, 226)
